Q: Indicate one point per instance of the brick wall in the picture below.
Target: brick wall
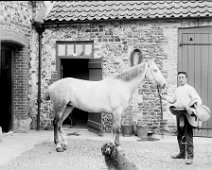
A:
(20, 89)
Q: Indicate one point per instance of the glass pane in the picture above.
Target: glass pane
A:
(70, 49)
(79, 49)
(88, 49)
(61, 50)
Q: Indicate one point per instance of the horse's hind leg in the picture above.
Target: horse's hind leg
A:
(56, 138)
(66, 112)
(57, 135)
(57, 124)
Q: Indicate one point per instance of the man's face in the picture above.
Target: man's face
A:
(182, 79)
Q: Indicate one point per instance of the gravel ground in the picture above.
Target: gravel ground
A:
(85, 154)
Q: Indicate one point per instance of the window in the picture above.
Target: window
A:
(75, 49)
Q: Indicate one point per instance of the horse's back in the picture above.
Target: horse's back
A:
(69, 86)
(89, 95)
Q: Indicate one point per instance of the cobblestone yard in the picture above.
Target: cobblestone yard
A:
(85, 154)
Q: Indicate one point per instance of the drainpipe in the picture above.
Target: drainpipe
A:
(40, 29)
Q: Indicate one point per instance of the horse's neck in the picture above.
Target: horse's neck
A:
(135, 83)
(132, 77)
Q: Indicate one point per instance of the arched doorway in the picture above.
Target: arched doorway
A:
(6, 85)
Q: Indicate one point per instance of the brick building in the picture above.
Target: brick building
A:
(15, 34)
(17, 37)
(93, 40)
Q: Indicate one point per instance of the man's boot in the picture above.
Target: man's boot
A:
(181, 155)
(178, 156)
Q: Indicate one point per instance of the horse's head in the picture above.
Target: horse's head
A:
(154, 74)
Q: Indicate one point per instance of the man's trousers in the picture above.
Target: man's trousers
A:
(187, 132)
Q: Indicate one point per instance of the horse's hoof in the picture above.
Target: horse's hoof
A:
(65, 147)
(60, 149)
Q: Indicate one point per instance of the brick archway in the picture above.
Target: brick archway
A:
(13, 36)
(17, 44)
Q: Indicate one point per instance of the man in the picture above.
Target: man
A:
(182, 98)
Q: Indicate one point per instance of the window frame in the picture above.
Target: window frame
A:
(59, 57)
(75, 43)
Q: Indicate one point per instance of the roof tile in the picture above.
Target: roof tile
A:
(103, 10)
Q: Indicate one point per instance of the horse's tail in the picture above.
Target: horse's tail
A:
(46, 95)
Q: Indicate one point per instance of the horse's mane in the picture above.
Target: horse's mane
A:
(131, 72)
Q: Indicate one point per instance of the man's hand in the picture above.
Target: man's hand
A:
(162, 95)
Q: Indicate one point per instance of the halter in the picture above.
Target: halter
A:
(161, 105)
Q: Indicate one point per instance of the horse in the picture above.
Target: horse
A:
(109, 95)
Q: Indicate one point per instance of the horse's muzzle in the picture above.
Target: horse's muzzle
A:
(163, 87)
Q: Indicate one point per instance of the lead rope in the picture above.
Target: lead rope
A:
(161, 109)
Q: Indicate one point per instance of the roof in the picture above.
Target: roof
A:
(105, 10)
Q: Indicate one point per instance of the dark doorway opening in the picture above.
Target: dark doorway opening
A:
(77, 68)
(6, 116)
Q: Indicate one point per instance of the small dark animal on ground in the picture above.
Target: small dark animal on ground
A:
(114, 159)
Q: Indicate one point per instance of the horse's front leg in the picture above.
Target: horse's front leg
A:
(117, 125)
(117, 141)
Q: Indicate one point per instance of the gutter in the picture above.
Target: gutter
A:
(49, 22)
(40, 29)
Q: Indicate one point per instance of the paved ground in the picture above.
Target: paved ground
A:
(36, 151)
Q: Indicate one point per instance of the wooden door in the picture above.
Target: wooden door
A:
(195, 57)
(95, 73)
